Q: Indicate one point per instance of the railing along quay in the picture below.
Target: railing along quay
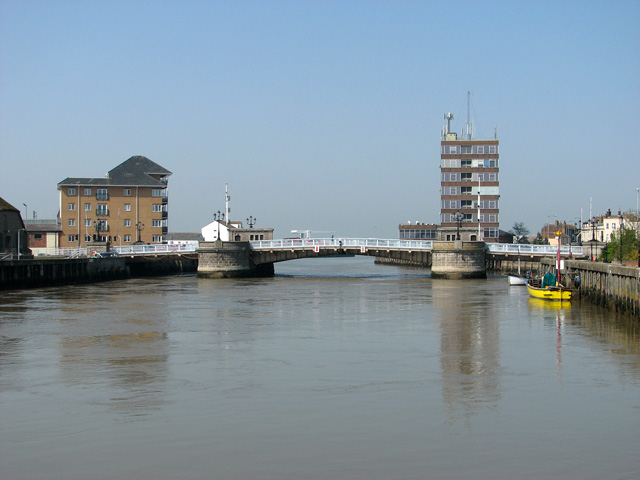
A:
(528, 249)
(341, 242)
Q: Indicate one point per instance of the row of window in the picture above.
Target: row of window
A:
(104, 238)
(456, 204)
(103, 208)
(468, 177)
(470, 190)
(103, 193)
(104, 226)
(472, 149)
(459, 163)
(418, 234)
(470, 217)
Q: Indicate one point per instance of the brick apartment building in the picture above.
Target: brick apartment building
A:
(129, 205)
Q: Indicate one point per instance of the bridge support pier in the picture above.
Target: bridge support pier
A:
(229, 260)
(458, 260)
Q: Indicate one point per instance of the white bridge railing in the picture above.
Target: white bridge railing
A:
(341, 242)
(526, 249)
(152, 249)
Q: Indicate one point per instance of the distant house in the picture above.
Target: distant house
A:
(192, 239)
(234, 232)
(43, 234)
(13, 235)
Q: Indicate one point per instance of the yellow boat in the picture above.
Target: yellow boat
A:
(548, 292)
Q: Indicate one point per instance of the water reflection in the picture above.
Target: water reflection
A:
(469, 349)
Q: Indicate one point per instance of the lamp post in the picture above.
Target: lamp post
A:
(26, 211)
(139, 228)
(458, 217)
(251, 221)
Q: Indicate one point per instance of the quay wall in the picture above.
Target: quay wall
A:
(606, 284)
(44, 272)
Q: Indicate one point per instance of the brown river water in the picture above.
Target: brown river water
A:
(333, 369)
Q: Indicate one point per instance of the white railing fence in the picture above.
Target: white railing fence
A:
(525, 249)
(341, 242)
(151, 249)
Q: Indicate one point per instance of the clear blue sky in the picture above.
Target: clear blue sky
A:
(322, 115)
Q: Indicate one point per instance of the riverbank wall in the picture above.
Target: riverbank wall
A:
(44, 272)
(606, 284)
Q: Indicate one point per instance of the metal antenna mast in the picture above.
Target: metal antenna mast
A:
(469, 115)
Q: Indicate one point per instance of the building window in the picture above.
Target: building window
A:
(87, 191)
(87, 238)
(71, 191)
(87, 222)
(127, 223)
(466, 163)
(490, 233)
(102, 194)
(466, 204)
(156, 238)
(158, 208)
(127, 238)
(158, 223)
(72, 238)
(156, 192)
(465, 190)
(466, 149)
(127, 207)
(102, 209)
(480, 149)
(72, 222)
(127, 192)
(87, 207)
(493, 149)
(71, 207)
(465, 177)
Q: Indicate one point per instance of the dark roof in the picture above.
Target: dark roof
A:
(4, 205)
(43, 228)
(136, 171)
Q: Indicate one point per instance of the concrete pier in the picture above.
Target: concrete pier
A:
(229, 260)
(458, 260)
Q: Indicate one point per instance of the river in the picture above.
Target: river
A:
(333, 369)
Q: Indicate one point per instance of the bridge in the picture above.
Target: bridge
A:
(446, 259)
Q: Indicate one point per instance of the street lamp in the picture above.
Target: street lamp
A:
(139, 228)
(26, 211)
(458, 217)
(251, 221)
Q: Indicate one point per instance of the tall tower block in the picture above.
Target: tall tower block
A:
(469, 187)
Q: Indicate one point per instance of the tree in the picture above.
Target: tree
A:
(623, 246)
(540, 240)
(520, 232)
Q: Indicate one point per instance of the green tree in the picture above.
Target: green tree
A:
(623, 246)
(520, 232)
(540, 240)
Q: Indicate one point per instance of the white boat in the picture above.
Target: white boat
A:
(517, 280)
